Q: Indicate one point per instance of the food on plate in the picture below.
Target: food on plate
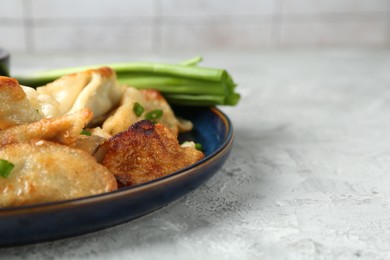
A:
(144, 152)
(84, 134)
(45, 171)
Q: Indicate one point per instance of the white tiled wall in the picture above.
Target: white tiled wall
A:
(145, 25)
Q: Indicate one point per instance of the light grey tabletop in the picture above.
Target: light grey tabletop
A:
(308, 177)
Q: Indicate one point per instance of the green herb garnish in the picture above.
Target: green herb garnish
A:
(154, 114)
(85, 132)
(138, 109)
(198, 146)
(5, 168)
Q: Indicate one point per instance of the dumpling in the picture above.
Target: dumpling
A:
(45, 171)
(101, 93)
(95, 89)
(145, 152)
(124, 116)
(150, 100)
(15, 108)
(64, 130)
(65, 90)
(154, 100)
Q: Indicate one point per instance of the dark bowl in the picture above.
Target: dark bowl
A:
(50, 221)
(4, 62)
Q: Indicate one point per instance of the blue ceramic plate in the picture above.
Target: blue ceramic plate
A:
(50, 221)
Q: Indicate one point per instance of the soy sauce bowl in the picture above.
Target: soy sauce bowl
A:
(4, 62)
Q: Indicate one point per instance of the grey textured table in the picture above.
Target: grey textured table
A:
(308, 178)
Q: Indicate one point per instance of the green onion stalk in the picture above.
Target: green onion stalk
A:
(185, 83)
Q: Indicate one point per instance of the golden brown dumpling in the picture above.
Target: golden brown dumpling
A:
(64, 130)
(144, 152)
(95, 89)
(46, 171)
(101, 94)
(150, 100)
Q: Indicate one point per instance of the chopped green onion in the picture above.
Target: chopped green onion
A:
(138, 109)
(85, 132)
(154, 114)
(5, 168)
(198, 146)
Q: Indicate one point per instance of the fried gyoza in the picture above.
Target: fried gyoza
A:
(15, 108)
(144, 152)
(95, 89)
(150, 100)
(101, 94)
(46, 171)
(64, 130)
(154, 100)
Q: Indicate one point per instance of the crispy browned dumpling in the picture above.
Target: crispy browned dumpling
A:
(64, 130)
(144, 152)
(124, 116)
(15, 109)
(101, 93)
(151, 100)
(95, 89)
(46, 171)
(65, 90)
(155, 100)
